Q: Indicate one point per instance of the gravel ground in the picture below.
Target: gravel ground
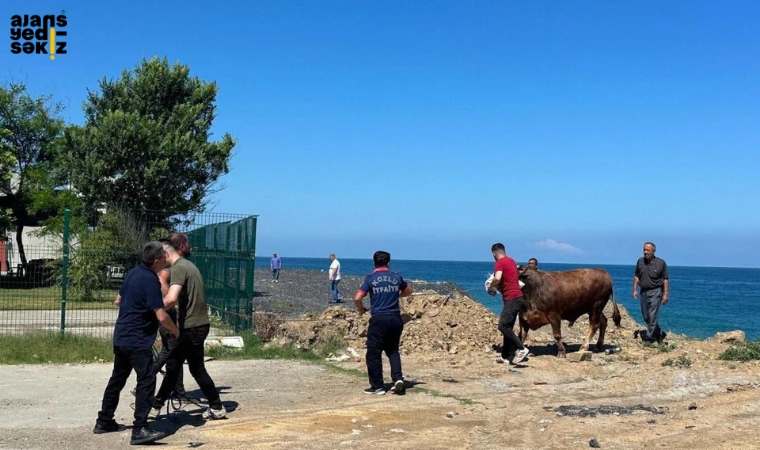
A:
(55, 406)
(299, 292)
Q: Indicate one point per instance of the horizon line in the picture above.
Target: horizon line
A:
(544, 262)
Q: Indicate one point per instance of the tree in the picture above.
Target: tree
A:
(145, 143)
(115, 241)
(30, 132)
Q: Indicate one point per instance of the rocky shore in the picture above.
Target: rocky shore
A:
(299, 292)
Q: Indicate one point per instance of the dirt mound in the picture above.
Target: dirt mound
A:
(436, 324)
(450, 323)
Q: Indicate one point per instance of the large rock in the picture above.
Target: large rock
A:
(730, 337)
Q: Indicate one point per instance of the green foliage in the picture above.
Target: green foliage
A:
(30, 137)
(115, 241)
(145, 144)
(56, 202)
(663, 347)
(744, 351)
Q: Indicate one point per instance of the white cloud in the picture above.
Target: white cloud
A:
(551, 244)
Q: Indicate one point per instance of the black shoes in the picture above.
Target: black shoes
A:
(145, 435)
(370, 390)
(142, 435)
(108, 427)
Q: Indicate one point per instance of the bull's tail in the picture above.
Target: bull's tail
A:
(615, 311)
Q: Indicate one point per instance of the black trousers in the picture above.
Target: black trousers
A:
(506, 324)
(169, 343)
(383, 335)
(126, 359)
(189, 347)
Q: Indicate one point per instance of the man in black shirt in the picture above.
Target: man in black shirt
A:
(141, 309)
(651, 275)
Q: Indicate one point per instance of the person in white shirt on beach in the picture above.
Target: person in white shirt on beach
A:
(334, 277)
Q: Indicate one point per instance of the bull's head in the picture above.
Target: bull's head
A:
(528, 275)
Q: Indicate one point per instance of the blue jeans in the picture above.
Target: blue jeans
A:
(275, 274)
(334, 290)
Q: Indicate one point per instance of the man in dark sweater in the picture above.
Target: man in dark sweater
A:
(141, 309)
(651, 276)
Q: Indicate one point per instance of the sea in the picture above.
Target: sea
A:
(703, 300)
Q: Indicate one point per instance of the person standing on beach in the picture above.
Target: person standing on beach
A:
(141, 309)
(651, 276)
(385, 324)
(334, 277)
(275, 264)
(506, 280)
(533, 262)
(186, 289)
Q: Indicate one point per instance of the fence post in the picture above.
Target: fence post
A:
(65, 275)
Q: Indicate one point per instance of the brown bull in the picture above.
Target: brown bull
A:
(551, 297)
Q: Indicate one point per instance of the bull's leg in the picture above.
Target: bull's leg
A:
(557, 330)
(593, 324)
(602, 331)
(524, 328)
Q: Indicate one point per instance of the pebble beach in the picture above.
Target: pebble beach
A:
(299, 292)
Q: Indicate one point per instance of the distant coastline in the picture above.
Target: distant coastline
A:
(369, 260)
(692, 311)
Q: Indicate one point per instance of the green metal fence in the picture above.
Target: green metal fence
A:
(223, 251)
(69, 282)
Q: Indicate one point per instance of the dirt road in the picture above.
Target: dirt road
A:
(286, 404)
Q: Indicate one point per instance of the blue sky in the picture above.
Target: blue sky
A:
(569, 131)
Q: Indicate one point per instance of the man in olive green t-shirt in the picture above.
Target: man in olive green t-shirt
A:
(193, 311)
(186, 290)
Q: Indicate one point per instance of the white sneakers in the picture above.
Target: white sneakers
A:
(154, 413)
(398, 387)
(214, 414)
(520, 355)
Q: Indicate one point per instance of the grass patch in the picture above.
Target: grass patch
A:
(663, 347)
(342, 370)
(255, 348)
(682, 361)
(434, 393)
(49, 298)
(745, 351)
(330, 344)
(43, 348)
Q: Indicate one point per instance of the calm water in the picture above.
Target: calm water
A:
(703, 300)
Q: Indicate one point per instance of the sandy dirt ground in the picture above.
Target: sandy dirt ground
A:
(455, 401)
